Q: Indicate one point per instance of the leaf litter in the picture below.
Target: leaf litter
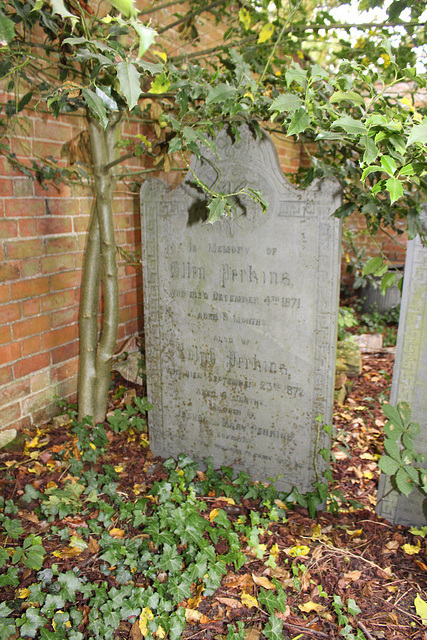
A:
(106, 541)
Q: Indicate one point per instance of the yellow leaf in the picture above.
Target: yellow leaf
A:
(295, 552)
(116, 533)
(160, 54)
(261, 581)
(265, 33)
(311, 606)
(274, 551)
(93, 446)
(68, 552)
(248, 94)
(227, 500)
(249, 601)
(22, 593)
(118, 468)
(51, 485)
(192, 615)
(33, 443)
(368, 475)
(213, 514)
(144, 618)
(317, 531)
(160, 633)
(245, 18)
(412, 549)
(356, 533)
(421, 608)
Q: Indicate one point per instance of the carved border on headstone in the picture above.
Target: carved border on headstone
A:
(410, 379)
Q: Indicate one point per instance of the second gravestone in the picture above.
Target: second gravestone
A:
(241, 315)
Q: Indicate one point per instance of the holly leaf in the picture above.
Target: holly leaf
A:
(7, 30)
(221, 93)
(418, 134)
(129, 79)
(96, 106)
(395, 189)
(161, 84)
(216, 211)
(126, 7)
(350, 125)
(59, 7)
(299, 123)
(286, 102)
(146, 37)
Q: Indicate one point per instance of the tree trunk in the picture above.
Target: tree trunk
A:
(99, 266)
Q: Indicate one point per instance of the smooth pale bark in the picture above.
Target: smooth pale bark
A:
(100, 265)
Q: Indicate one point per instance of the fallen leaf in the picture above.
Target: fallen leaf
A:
(93, 545)
(298, 551)
(22, 593)
(230, 602)
(118, 468)
(249, 601)
(311, 606)
(252, 633)
(116, 533)
(421, 608)
(411, 549)
(191, 615)
(261, 581)
(352, 576)
(68, 552)
(144, 618)
(213, 514)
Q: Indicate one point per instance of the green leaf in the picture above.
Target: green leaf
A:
(216, 209)
(350, 125)
(273, 630)
(421, 608)
(161, 84)
(372, 266)
(389, 165)
(352, 96)
(418, 134)
(296, 74)
(388, 465)
(129, 79)
(419, 532)
(392, 449)
(368, 170)
(404, 483)
(96, 106)
(221, 93)
(286, 102)
(393, 415)
(7, 30)
(352, 607)
(371, 150)
(126, 7)
(59, 8)
(395, 189)
(299, 123)
(387, 281)
(33, 622)
(146, 37)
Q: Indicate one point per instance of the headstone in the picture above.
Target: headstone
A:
(410, 378)
(241, 315)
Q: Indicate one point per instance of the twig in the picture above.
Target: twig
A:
(346, 552)
(317, 634)
(365, 630)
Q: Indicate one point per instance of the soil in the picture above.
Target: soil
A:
(354, 554)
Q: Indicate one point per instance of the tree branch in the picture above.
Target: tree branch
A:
(191, 15)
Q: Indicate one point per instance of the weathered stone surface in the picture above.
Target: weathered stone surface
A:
(410, 378)
(7, 436)
(349, 359)
(241, 316)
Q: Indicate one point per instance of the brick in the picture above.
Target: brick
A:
(66, 280)
(52, 190)
(58, 300)
(10, 312)
(9, 271)
(6, 187)
(66, 370)
(31, 345)
(31, 307)
(14, 391)
(53, 264)
(45, 414)
(40, 380)
(10, 352)
(23, 188)
(29, 365)
(28, 227)
(65, 244)
(50, 226)
(4, 293)
(43, 400)
(65, 316)
(8, 228)
(48, 148)
(53, 339)
(30, 288)
(19, 207)
(81, 224)
(30, 327)
(65, 352)
(6, 375)
(62, 206)
(49, 129)
(8, 415)
(5, 334)
(24, 249)
(67, 388)
(30, 267)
